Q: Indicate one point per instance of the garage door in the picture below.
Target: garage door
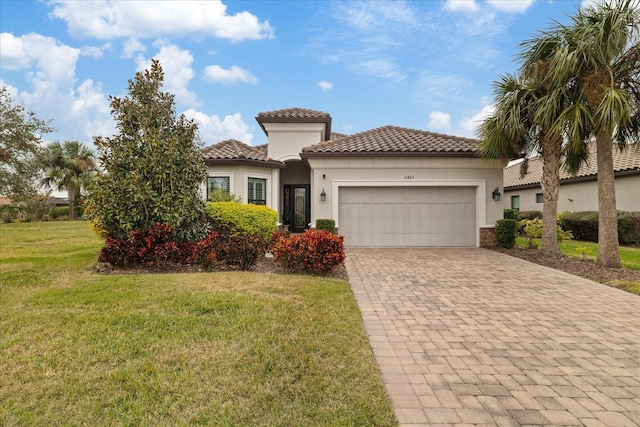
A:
(408, 216)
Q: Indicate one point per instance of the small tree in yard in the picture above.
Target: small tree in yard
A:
(20, 148)
(153, 168)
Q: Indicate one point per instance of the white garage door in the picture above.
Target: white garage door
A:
(408, 216)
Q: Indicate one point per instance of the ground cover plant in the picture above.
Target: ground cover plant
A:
(223, 348)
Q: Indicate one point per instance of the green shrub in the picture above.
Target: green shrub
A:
(511, 214)
(219, 195)
(506, 232)
(532, 228)
(629, 227)
(326, 224)
(9, 213)
(59, 211)
(582, 225)
(230, 218)
(529, 215)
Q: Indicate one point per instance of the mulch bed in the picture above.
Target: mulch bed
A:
(576, 266)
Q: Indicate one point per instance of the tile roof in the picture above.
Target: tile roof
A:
(294, 113)
(393, 140)
(626, 161)
(233, 151)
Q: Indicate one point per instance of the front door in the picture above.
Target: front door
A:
(297, 207)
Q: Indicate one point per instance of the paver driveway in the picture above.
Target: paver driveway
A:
(472, 336)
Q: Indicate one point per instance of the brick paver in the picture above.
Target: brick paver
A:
(472, 336)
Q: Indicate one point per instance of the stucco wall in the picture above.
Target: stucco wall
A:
(286, 140)
(238, 182)
(332, 174)
(581, 196)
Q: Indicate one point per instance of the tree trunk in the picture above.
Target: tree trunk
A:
(608, 248)
(552, 152)
(72, 201)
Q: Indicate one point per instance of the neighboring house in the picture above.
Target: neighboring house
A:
(578, 192)
(388, 186)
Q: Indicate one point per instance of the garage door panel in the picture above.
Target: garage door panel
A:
(408, 216)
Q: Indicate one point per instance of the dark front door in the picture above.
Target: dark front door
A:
(297, 207)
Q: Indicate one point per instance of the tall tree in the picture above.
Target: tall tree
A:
(20, 145)
(69, 167)
(153, 167)
(518, 127)
(597, 57)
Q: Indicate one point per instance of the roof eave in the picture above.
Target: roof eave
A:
(247, 162)
(339, 154)
(326, 120)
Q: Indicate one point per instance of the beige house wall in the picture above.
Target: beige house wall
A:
(286, 140)
(334, 174)
(238, 183)
(581, 196)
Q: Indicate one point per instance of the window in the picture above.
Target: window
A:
(257, 191)
(218, 183)
(539, 198)
(515, 202)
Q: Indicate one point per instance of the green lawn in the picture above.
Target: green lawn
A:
(629, 256)
(233, 348)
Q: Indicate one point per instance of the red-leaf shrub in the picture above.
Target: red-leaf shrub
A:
(323, 251)
(242, 250)
(287, 252)
(315, 251)
(206, 251)
(155, 247)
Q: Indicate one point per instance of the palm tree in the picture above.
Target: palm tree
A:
(517, 128)
(68, 167)
(597, 59)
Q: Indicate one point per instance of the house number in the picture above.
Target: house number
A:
(409, 177)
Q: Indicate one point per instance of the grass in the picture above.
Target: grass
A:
(227, 348)
(629, 256)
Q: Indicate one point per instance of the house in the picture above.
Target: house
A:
(578, 192)
(389, 186)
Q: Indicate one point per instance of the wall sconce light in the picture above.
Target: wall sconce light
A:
(496, 194)
(323, 195)
(324, 176)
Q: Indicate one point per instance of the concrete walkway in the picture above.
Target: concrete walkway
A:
(474, 337)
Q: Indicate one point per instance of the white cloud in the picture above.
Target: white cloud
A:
(367, 15)
(108, 19)
(94, 51)
(470, 124)
(325, 86)
(56, 61)
(461, 5)
(176, 64)
(213, 130)
(590, 3)
(235, 74)
(439, 120)
(131, 47)
(511, 6)
(440, 89)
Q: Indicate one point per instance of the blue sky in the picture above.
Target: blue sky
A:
(425, 65)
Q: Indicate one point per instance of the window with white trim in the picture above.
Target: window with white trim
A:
(257, 191)
(215, 183)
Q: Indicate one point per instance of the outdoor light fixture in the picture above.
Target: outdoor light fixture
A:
(323, 195)
(496, 194)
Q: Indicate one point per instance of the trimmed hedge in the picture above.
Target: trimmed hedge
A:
(326, 224)
(584, 226)
(58, 211)
(235, 218)
(506, 232)
(529, 215)
(511, 214)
